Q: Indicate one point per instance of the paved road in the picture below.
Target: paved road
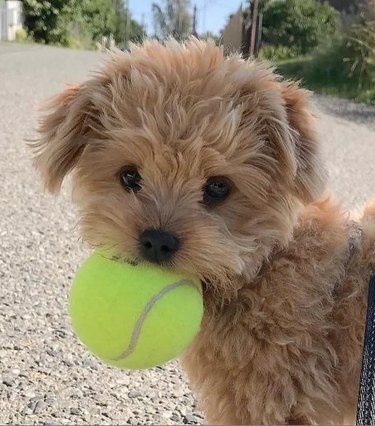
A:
(45, 374)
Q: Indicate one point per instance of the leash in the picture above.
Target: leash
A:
(366, 398)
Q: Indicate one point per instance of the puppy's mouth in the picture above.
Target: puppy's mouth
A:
(123, 258)
(136, 261)
(132, 262)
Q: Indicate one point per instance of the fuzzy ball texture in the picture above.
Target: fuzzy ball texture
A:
(134, 316)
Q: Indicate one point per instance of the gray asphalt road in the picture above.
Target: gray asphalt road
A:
(46, 376)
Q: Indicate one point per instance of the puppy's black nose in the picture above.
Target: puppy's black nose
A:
(158, 246)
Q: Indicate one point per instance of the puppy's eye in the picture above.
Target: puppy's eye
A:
(130, 179)
(216, 190)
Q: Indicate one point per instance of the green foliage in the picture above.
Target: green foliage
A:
(359, 43)
(350, 59)
(21, 35)
(97, 17)
(126, 28)
(75, 43)
(306, 69)
(78, 23)
(43, 19)
(350, 6)
(345, 67)
(277, 53)
(299, 24)
(173, 19)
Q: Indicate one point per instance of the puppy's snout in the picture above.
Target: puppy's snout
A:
(158, 246)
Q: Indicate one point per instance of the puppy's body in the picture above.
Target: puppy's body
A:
(217, 159)
(287, 348)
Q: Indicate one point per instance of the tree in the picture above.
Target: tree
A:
(61, 21)
(174, 19)
(44, 19)
(96, 17)
(127, 29)
(349, 6)
(298, 24)
(105, 17)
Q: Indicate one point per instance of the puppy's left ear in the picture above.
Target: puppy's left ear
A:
(311, 176)
(64, 131)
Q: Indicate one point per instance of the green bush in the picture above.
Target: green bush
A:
(43, 20)
(345, 67)
(277, 53)
(74, 43)
(74, 22)
(21, 35)
(299, 24)
(350, 58)
(360, 53)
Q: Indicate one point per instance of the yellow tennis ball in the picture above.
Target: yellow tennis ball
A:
(134, 316)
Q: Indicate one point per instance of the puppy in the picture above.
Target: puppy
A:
(210, 165)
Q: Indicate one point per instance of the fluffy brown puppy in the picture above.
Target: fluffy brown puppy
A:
(210, 165)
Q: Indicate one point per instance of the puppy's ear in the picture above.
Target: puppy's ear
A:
(310, 177)
(63, 133)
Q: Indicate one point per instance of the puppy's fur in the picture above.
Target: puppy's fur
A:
(284, 273)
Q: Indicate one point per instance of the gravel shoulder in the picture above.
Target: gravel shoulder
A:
(46, 376)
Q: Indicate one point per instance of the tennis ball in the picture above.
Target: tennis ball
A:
(134, 316)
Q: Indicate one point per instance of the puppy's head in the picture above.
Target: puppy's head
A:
(182, 157)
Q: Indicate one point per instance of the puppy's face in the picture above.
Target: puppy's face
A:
(184, 158)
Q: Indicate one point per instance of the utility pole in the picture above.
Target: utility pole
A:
(194, 31)
(143, 23)
(178, 30)
(254, 11)
(127, 24)
(259, 33)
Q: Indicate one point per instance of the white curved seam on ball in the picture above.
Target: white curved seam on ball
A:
(138, 325)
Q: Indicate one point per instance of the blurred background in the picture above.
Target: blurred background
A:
(330, 44)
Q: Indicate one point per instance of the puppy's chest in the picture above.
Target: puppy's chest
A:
(284, 315)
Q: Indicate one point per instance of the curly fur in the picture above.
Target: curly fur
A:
(284, 295)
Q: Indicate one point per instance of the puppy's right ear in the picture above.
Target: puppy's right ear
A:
(63, 134)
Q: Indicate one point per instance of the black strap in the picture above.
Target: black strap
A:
(366, 398)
